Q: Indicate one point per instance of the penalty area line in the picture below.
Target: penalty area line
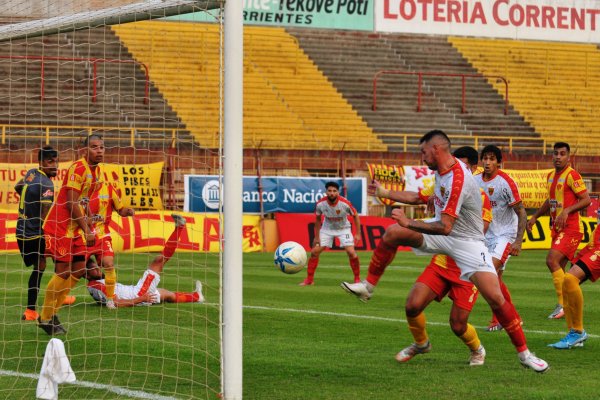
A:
(387, 319)
(137, 394)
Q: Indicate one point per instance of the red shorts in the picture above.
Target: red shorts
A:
(445, 281)
(102, 248)
(590, 256)
(63, 249)
(566, 242)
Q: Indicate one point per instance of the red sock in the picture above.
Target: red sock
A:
(506, 294)
(182, 297)
(312, 266)
(382, 257)
(171, 244)
(508, 317)
(355, 265)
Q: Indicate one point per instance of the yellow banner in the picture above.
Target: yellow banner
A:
(390, 176)
(139, 184)
(540, 236)
(148, 231)
(532, 185)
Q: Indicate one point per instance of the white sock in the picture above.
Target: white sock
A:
(524, 354)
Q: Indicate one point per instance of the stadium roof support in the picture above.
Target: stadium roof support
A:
(149, 9)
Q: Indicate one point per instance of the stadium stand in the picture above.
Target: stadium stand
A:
(68, 109)
(288, 102)
(351, 59)
(553, 85)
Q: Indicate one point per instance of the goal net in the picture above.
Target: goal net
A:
(150, 84)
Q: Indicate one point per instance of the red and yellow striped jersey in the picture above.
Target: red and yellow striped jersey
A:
(563, 188)
(83, 180)
(103, 202)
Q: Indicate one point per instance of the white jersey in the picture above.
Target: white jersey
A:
(335, 215)
(503, 193)
(457, 194)
(148, 283)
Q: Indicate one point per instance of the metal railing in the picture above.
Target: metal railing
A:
(93, 61)
(420, 76)
(48, 132)
(409, 142)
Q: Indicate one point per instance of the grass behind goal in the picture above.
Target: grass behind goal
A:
(299, 342)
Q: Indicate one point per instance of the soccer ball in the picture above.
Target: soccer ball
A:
(290, 257)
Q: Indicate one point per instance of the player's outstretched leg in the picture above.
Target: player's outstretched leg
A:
(384, 254)
(382, 257)
(489, 287)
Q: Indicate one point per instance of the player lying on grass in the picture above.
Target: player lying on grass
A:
(146, 290)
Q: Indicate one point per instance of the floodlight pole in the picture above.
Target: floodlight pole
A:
(232, 204)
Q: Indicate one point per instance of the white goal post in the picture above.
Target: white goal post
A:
(232, 145)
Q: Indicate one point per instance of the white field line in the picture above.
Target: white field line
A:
(136, 394)
(397, 320)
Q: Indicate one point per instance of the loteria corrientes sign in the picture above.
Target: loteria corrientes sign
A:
(554, 20)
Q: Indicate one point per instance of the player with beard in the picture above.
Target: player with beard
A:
(332, 212)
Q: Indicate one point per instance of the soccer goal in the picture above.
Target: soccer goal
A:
(149, 77)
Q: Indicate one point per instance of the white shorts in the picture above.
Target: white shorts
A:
(499, 248)
(344, 236)
(148, 283)
(470, 256)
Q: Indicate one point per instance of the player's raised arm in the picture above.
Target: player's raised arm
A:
(407, 197)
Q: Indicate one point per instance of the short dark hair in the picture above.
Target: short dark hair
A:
(490, 148)
(334, 184)
(467, 152)
(47, 152)
(559, 145)
(91, 136)
(434, 133)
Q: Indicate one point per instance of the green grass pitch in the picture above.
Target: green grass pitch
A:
(299, 342)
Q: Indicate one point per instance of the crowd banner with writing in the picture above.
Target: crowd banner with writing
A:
(549, 20)
(533, 186)
(394, 177)
(532, 183)
(335, 14)
(11, 173)
(148, 231)
(279, 194)
(300, 228)
(139, 183)
(390, 176)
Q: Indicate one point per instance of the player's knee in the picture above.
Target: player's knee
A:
(413, 308)
(458, 326)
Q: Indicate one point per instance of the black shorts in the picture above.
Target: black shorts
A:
(32, 250)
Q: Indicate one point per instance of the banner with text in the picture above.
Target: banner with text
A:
(301, 227)
(279, 194)
(148, 231)
(532, 184)
(554, 20)
(335, 14)
(139, 184)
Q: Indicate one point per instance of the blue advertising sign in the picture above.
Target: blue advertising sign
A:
(279, 194)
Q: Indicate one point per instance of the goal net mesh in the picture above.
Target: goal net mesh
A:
(150, 83)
